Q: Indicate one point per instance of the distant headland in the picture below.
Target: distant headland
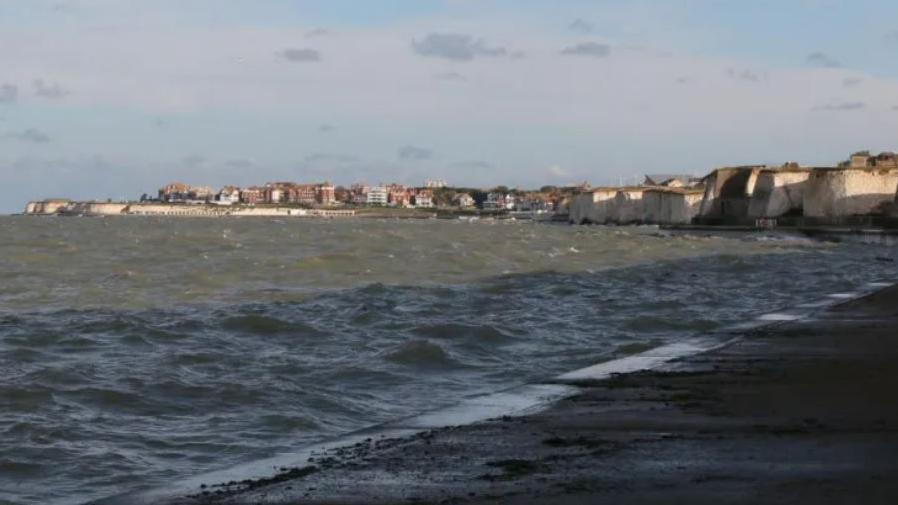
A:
(860, 191)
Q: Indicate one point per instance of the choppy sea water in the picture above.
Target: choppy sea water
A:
(135, 351)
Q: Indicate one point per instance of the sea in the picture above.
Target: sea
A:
(137, 351)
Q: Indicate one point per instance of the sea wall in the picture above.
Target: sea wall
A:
(834, 193)
(156, 209)
(671, 205)
(778, 192)
(176, 210)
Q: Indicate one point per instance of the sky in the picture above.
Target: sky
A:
(114, 98)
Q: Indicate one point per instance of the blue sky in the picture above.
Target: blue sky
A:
(113, 98)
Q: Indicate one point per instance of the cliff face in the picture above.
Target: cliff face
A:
(592, 207)
(627, 207)
(671, 206)
(728, 192)
(777, 193)
(47, 207)
(96, 209)
(832, 193)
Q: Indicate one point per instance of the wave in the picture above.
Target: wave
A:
(421, 354)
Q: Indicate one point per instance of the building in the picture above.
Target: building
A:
(463, 201)
(435, 184)
(399, 196)
(864, 159)
(495, 201)
(326, 194)
(424, 199)
(252, 195)
(201, 194)
(180, 192)
(274, 194)
(342, 195)
(359, 194)
(229, 195)
(377, 195)
(533, 203)
(301, 194)
(175, 192)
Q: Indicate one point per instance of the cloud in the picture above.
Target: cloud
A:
(581, 26)
(415, 153)
(31, 135)
(300, 55)
(52, 91)
(317, 32)
(557, 171)
(326, 128)
(842, 106)
(9, 93)
(457, 47)
(892, 36)
(450, 76)
(819, 59)
(193, 160)
(472, 164)
(328, 157)
(851, 82)
(241, 163)
(589, 49)
(746, 75)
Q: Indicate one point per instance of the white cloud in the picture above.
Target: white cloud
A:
(591, 49)
(557, 172)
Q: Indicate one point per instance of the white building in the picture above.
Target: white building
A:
(424, 202)
(435, 184)
(229, 196)
(497, 201)
(377, 195)
(464, 201)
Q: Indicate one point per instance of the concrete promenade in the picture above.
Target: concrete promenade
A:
(799, 412)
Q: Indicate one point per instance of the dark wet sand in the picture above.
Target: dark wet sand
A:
(803, 412)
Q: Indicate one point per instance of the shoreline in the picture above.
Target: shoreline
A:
(400, 451)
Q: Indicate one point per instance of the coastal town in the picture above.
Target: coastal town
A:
(861, 189)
